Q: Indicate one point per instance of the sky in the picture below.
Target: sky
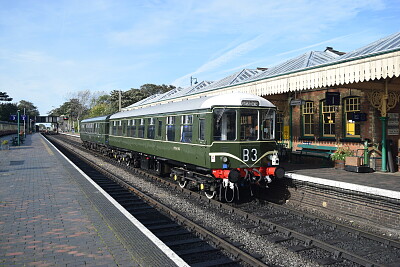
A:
(50, 50)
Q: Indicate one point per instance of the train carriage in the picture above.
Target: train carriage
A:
(215, 143)
(94, 132)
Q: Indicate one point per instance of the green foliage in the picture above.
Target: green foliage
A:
(30, 109)
(6, 109)
(341, 153)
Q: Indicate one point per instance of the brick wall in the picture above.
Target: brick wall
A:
(350, 205)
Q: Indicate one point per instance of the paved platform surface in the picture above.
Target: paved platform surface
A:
(378, 183)
(50, 215)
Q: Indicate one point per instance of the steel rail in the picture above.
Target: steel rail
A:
(221, 243)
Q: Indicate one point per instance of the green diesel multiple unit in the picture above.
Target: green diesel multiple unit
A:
(215, 143)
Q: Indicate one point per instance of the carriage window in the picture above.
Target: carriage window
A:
(141, 129)
(249, 124)
(114, 128)
(186, 128)
(202, 125)
(131, 128)
(267, 124)
(159, 128)
(224, 124)
(119, 128)
(170, 128)
(151, 128)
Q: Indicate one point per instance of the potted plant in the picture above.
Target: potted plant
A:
(340, 155)
(4, 145)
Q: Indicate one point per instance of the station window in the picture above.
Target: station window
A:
(249, 124)
(141, 128)
(352, 105)
(151, 128)
(308, 118)
(224, 124)
(328, 119)
(186, 128)
(267, 124)
(170, 128)
(279, 126)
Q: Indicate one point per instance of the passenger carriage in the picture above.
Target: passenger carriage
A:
(214, 143)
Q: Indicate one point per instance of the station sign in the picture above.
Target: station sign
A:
(297, 102)
(14, 117)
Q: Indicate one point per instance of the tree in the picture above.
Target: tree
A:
(149, 89)
(7, 109)
(30, 109)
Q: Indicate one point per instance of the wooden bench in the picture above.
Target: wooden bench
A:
(315, 151)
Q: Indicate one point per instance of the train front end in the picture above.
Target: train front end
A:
(244, 150)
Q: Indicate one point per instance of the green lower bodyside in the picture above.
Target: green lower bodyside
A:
(240, 154)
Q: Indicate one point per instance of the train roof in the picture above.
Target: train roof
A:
(233, 99)
(96, 119)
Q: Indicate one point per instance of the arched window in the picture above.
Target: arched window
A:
(328, 119)
(308, 118)
(351, 106)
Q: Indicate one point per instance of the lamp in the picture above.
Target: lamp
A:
(193, 79)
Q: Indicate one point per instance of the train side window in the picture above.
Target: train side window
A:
(159, 130)
(224, 124)
(170, 128)
(133, 128)
(202, 129)
(119, 128)
(141, 129)
(186, 128)
(151, 128)
(114, 128)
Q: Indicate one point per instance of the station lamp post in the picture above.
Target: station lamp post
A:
(18, 137)
(193, 79)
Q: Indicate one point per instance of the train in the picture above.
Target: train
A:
(216, 144)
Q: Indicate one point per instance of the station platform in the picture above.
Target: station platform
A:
(384, 184)
(52, 215)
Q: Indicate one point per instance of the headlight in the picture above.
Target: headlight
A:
(225, 159)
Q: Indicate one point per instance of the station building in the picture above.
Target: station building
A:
(327, 98)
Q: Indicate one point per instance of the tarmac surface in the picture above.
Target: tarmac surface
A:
(51, 215)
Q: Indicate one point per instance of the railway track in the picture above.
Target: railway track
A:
(197, 246)
(317, 241)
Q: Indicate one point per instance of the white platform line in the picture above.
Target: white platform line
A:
(164, 248)
(344, 185)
